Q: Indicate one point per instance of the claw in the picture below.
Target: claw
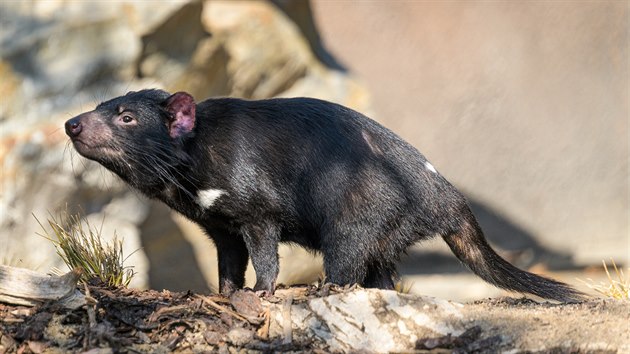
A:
(263, 293)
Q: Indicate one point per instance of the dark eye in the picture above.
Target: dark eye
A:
(127, 119)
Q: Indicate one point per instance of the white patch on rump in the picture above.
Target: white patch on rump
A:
(430, 167)
(207, 198)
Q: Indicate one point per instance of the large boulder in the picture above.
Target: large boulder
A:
(60, 58)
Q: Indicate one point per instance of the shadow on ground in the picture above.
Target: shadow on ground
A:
(512, 242)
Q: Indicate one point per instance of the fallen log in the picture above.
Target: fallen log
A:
(19, 286)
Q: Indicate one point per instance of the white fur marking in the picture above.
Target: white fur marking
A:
(430, 167)
(206, 198)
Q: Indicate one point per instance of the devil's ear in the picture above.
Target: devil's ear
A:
(181, 107)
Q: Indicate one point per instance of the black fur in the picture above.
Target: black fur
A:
(294, 170)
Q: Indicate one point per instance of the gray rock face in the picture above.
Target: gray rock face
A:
(60, 58)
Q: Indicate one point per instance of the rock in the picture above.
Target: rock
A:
(9, 87)
(183, 54)
(333, 86)
(267, 53)
(247, 303)
(370, 320)
(142, 16)
(240, 336)
(55, 56)
(32, 185)
(301, 13)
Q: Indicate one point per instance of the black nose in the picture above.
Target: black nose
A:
(73, 127)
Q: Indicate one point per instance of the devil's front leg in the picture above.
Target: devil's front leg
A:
(232, 256)
(262, 243)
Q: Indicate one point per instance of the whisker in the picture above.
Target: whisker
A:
(54, 132)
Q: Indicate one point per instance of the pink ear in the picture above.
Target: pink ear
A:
(181, 106)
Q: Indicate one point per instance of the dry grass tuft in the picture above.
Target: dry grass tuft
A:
(618, 288)
(80, 246)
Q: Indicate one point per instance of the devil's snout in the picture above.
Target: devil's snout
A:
(73, 127)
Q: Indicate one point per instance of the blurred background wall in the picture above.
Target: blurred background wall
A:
(523, 106)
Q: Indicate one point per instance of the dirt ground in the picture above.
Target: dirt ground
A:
(598, 326)
(134, 321)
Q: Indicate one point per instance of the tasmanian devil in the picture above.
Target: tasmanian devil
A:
(299, 170)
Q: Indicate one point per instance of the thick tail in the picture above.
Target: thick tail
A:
(471, 247)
